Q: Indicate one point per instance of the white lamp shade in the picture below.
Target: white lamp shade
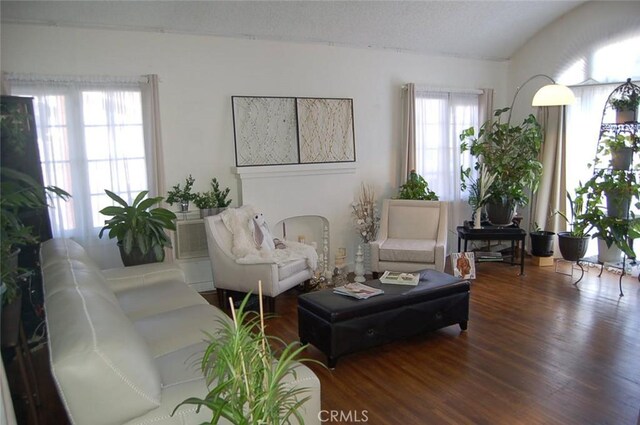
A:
(553, 95)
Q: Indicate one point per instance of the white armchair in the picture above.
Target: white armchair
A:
(412, 236)
(228, 274)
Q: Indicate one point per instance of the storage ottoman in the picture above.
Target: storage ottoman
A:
(338, 325)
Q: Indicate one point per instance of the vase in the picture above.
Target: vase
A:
(366, 256)
(184, 206)
(359, 266)
(477, 218)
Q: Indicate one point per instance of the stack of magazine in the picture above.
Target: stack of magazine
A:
(488, 256)
(398, 278)
(358, 290)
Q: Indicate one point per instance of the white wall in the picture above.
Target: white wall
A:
(199, 74)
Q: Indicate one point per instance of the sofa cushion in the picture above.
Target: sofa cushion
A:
(71, 273)
(407, 221)
(173, 330)
(181, 365)
(408, 250)
(59, 250)
(103, 368)
(150, 300)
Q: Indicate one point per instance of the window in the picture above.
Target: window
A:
(440, 118)
(91, 137)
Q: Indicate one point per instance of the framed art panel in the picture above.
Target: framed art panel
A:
(265, 130)
(325, 130)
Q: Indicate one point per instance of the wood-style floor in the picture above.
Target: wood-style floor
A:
(538, 351)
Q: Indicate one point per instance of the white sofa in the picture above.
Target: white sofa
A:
(125, 343)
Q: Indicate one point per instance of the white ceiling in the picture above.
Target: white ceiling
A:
(492, 30)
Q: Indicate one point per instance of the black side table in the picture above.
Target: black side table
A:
(495, 233)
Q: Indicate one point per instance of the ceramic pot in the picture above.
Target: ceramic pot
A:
(542, 243)
(572, 248)
(621, 158)
(501, 214)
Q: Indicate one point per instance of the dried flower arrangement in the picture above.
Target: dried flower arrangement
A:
(365, 214)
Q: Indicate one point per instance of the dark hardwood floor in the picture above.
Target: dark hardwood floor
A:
(538, 351)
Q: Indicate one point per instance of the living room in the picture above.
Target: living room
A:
(199, 73)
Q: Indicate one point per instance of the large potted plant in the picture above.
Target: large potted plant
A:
(510, 152)
(213, 201)
(247, 376)
(182, 195)
(20, 195)
(138, 228)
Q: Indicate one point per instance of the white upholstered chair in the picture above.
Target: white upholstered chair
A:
(230, 275)
(412, 236)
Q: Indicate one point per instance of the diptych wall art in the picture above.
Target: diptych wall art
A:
(292, 130)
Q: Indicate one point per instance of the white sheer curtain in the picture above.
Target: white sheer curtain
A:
(440, 118)
(91, 135)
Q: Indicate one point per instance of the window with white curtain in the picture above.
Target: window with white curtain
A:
(440, 118)
(91, 137)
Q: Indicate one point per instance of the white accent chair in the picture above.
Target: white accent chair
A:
(412, 236)
(232, 276)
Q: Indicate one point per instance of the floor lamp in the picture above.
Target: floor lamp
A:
(549, 95)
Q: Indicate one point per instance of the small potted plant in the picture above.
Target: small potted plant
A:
(619, 187)
(417, 187)
(541, 241)
(214, 201)
(621, 147)
(182, 195)
(138, 228)
(626, 107)
(574, 243)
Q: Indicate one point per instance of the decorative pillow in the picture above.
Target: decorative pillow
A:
(261, 234)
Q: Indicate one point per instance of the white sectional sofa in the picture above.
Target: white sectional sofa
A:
(125, 343)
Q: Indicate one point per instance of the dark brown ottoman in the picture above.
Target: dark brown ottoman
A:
(338, 325)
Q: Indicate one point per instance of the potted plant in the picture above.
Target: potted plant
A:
(541, 241)
(511, 154)
(619, 187)
(621, 148)
(20, 195)
(479, 193)
(182, 196)
(213, 201)
(574, 243)
(626, 107)
(417, 187)
(138, 229)
(247, 376)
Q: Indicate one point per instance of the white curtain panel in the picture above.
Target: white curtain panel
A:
(408, 153)
(92, 136)
(440, 118)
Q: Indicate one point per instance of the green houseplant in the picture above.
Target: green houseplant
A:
(510, 152)
(182, 195)
(138, 229)
(212, 201)
(417, 187)
(620, 147)
(574, 243)
(626, 106)
(246, 375)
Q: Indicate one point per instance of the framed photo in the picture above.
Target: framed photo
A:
(463, 265)
(325, 130)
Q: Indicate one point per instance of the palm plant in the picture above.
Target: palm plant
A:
(248, 375)
(137, 227)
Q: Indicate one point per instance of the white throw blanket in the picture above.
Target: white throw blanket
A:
(239, 221)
